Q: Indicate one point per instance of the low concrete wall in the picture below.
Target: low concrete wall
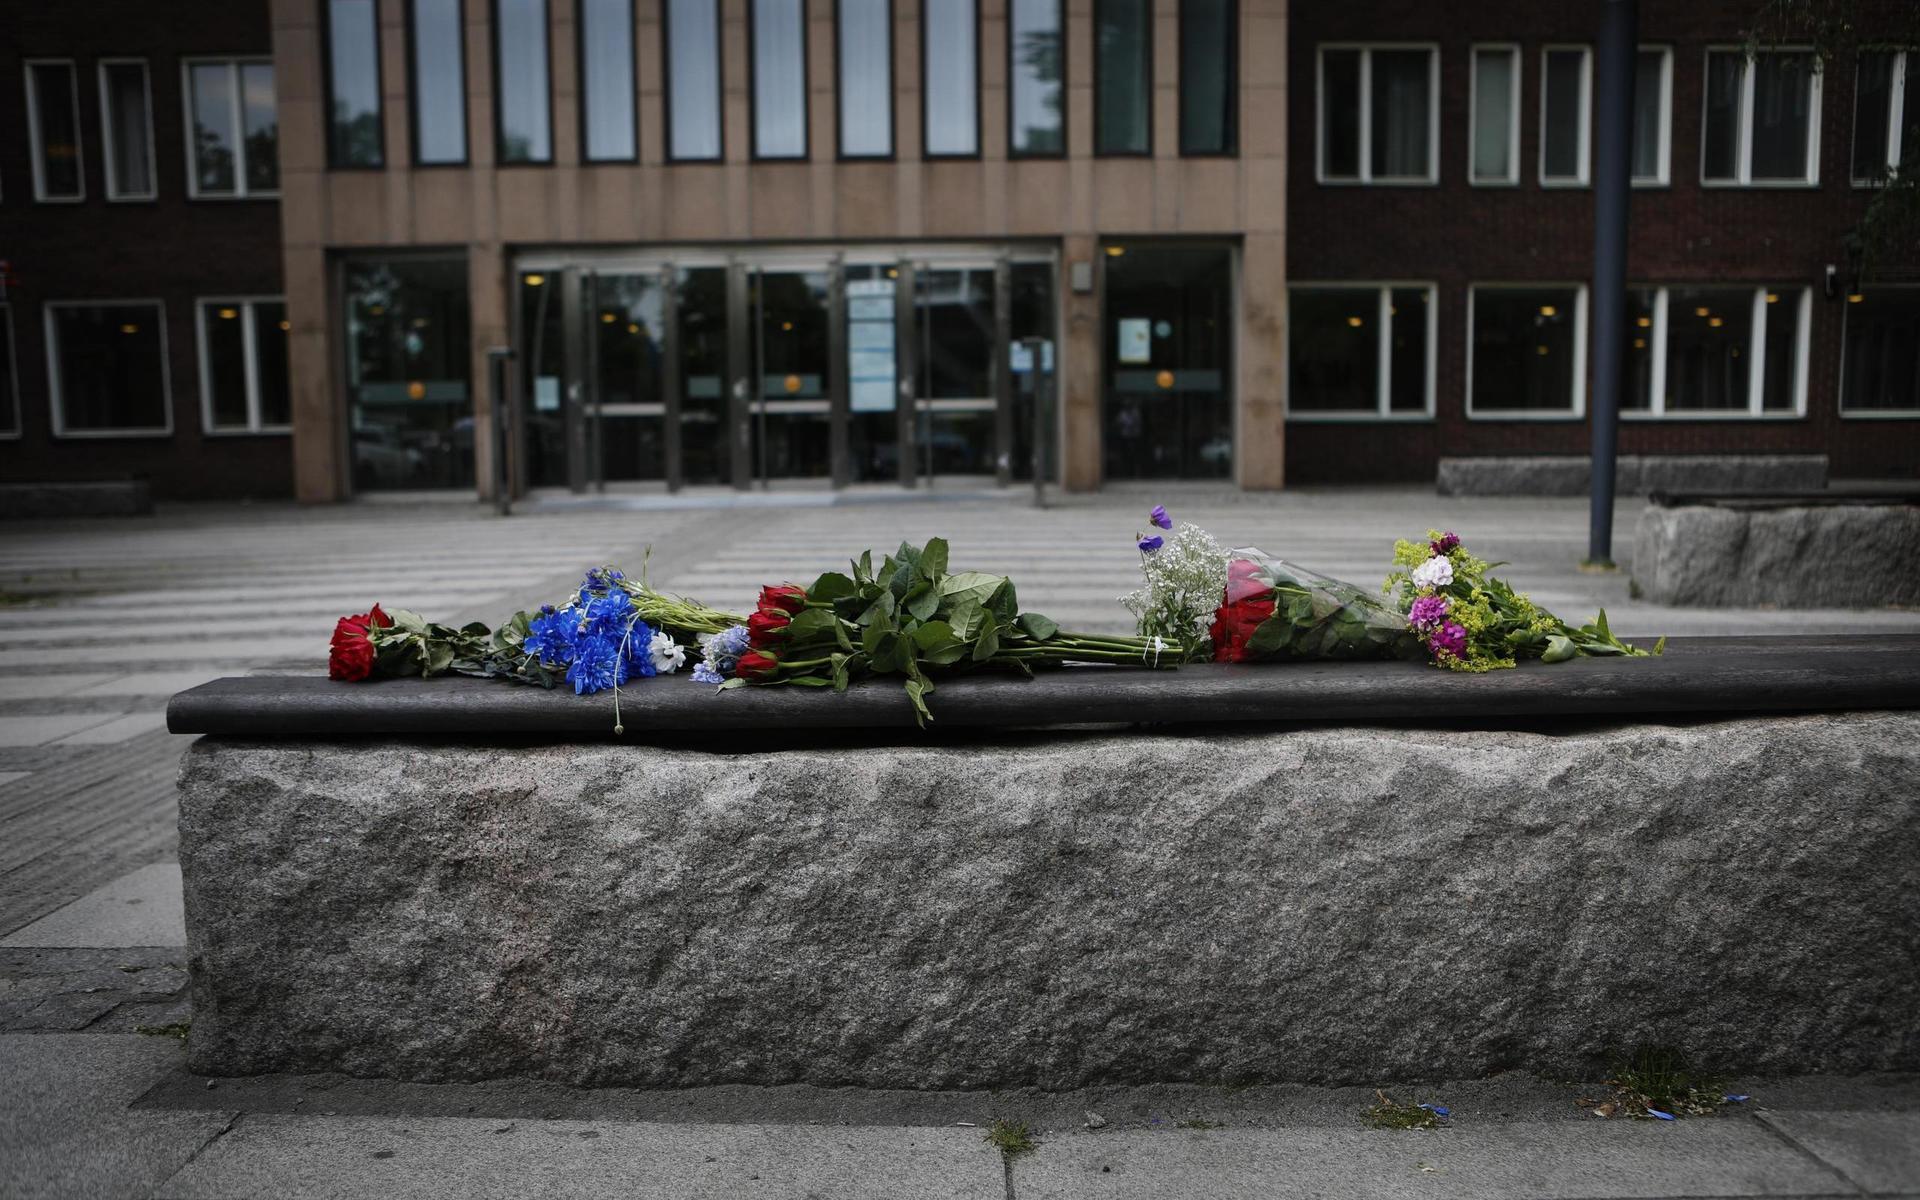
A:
(1319, 905)
(1634, 475)
(1810, 556)
(113, 498)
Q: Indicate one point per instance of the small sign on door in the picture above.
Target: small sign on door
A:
(1136, 339)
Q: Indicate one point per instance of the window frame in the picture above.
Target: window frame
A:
(1583, 177)
(250, 352)
(1383, 352)
(36, 139)
(806, 92)
(107, 143)
(587, 158)
(1365, 178)
(233, 64)
(1664, 175)
(839, 95)
(1581, 319)
(1152, 77)
(1180, 95)
(413, 96)
(18, 428)
(1743, 174)
(1756, 369)
(56, 401)
(326, 94)
(1512, 50)
(500, 161)
(1869, 414)
(1890, 154)
(979, 129)
(1066, 87)
(719, 154)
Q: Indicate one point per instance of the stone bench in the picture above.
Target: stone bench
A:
(1634, 474)
(423, 881)
(1798, 551)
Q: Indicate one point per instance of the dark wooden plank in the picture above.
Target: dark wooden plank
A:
(1697, 675)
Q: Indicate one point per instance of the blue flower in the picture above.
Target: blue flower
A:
(703, 673)
(608, 615)
(550, 639)
(1149, 544)
(599, 666)
(638, 638)
(1159, 517)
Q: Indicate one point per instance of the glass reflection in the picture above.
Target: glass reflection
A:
(353, 94)
(520, 49)
(693, 79)
(705, 415)
(407, 373)
(1209, 87)
(792, 430)
(866, 77)
(1037, 69)
(779, 79)
(954, 307)
(1169, 362)
(606, 85)
(628, 339)
(439, 83)
(952, 102)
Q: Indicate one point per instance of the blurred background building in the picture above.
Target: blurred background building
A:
(263, 249)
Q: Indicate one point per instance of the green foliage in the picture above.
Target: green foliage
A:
(1011, 1138)
(1655, 1079)
(1388, 1113)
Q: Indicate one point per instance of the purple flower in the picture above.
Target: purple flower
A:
(1428, 612)
(1159, 517)
(1446, 543)
(1149, 544)
(1450, 638)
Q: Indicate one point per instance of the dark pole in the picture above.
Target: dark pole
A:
(1612, 184)
(497, 359)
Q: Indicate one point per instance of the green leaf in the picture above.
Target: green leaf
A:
(917, 692)
(1038, 627)
(840, 673)
(809, 681)
(876, 634)
(831, 586)
(439, 658)
(412, 622)
(987, 643)
(975, 585)
(881, 611)
(735, 682)
(933, 559)
(1559, 649)
(922, 602)
(812, 625)
(965, 618)
(1660, 647)
(932, 634)
(1003, 603)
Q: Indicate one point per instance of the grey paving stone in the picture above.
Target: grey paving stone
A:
(65, 1130)
(7, 777)
(1530, 1160)
(141, 908)
(1877, 1151)
(37, 731)
(321, 1158)
(39, 685)
(117, 730)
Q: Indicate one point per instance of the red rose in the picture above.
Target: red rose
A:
(756, 665)
(1245, 580)
(351, 654)
(1233, 626)
(787, 598)
(767, 627)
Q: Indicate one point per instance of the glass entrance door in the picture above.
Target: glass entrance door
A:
(960, 345)
(1168, 343)
(627, 410)
(791, 408)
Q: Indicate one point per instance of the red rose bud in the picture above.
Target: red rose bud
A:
(755, 664)
(1245, 580)
(1233, 626)
(767, 627)
(787, 598)
(351, 653)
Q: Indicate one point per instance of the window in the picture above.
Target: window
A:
(1880, 363)
(865, 59)
(1527, 350)
(1494, 152)
(778, 35)
(1209, 77)
(1762, 122)
(1036, 80)
(1718, 351)
(1886, 113)
(1652, 113)
(1360, 351)
(107, 367)
(1566, 109)
(354, 136)
(235, 147)
(244, 387)
(950, 65)
(438, 85)
(692, 72)
(9, 377)
(607, 124)
(1379, 114)
(126, 124)
(53, 123)
(522, 105)
(1123, 77)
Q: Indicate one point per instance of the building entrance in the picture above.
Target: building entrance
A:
(749, 368)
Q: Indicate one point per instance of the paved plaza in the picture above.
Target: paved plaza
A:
(102, 620)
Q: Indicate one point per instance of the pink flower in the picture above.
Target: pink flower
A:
(1428, 612)
(1449, 639)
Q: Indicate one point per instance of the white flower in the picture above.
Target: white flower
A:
(668, 655)
(1436, 572)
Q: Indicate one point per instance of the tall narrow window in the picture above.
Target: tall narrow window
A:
(523, 105)
(1379, 115)
(1881, 356)
(1036, 79)
(865, 54)
(606, 81)
(9, 377)
(1496, 115)
(950, 66)
(53, 121)
(1528, 353)
(354, 136)
(243, 366)
(1123, 77)
(234, 144)
(439, 85)
(1886, 115)
(1360, 351)
(1209, 77)
(692, 39)
(1652, 109)
(1566, 102)
(126, 123)
(107, 367)
(1762, 118)
(778, 31)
